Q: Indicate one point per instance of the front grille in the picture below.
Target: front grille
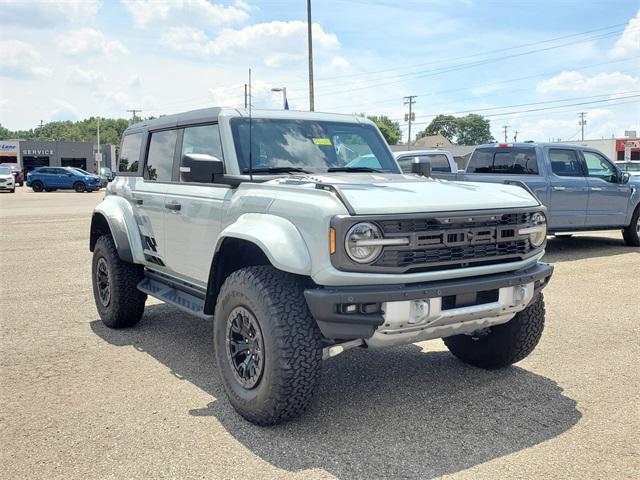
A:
(454, 242)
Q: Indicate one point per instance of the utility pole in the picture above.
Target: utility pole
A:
(411, 116)
(505, 127)
(310, 46)
(515, 136)
(582, 123)
(133, 114)
(245, 96)
(99, 154)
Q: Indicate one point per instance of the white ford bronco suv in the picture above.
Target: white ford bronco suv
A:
(298, 235)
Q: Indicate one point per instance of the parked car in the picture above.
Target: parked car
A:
(582, 189)
(632, 167)
(441, 161)
(18, 175)
(108, 173)
(54, 178)
(104, 181)
(265, 226)
(7, 180)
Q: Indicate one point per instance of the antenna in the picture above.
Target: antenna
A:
(250, 139)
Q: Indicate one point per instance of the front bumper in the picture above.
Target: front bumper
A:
(329, 305)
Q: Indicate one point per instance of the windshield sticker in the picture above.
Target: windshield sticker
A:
(322, 141)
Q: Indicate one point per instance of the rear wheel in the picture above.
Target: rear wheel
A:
(79, 187)
(37, 186)
(501, 345)
(119, 302)
(631, 233)
(268, 347)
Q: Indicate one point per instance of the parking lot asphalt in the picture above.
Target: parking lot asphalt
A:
(82, 401)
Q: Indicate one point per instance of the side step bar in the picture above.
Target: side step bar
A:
(173, 296)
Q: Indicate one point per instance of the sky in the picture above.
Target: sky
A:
(532, 65)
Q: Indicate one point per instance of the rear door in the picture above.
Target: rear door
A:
(608, 199)
(569, 191)
(194, 221)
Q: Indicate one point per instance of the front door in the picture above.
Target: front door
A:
(608, 199)
(569, 193)
(193, 221)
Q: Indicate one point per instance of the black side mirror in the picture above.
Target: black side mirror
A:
(200, 168)
(421, 166)
(624, 177)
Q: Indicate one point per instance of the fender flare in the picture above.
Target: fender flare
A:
(277, 237)
(118, 214)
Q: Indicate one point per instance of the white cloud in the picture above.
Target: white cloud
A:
(21, 59)
(275, 42)
(575, 82)
(64, 110)
(88, 41)
(629, 42)
(47, 14)
(83, 76)
(202, 12)
(134, 81)
(339, 62)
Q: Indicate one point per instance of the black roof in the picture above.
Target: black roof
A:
(176, 119)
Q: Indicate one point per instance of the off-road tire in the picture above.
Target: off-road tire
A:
(291, 338)
(631, 233)
(502, 345)
(126, 304)
(79, 187)
(37, 186)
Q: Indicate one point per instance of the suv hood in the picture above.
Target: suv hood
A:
(373, 193)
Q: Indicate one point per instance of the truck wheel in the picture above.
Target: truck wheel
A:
(79, 187)
(631, 233)
(37, 186)
(268, 347)
(502, 345)
(118, 300)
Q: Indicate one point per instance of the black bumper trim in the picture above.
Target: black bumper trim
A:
(322, 301)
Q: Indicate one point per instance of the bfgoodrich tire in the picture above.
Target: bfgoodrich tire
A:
(267, 345)
(120, 304)
(502, 345)
(631, 233)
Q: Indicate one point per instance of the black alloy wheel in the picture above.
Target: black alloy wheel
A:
(245, 347)
(103, 282)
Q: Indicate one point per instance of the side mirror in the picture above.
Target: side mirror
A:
(421, 167)
(200, 168)
(624, 178)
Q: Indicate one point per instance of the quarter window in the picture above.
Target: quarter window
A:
(599, 167)
(564, 163)
(162, 149)
(129, 153)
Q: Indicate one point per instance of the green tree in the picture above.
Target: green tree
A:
(390, 130)
(472, 129)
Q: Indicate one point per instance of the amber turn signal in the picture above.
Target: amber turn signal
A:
(332, 240)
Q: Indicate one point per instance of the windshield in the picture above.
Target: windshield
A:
(82, 171)
(310, 146)
(628, 166)
(5, 171)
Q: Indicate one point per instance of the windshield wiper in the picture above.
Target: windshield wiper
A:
(276, 170)
(355, 169)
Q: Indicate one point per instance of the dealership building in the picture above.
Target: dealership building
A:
(30, 154)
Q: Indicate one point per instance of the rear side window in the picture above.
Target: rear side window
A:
(564, 163)
(511, 161)
(162, 148)
(130, 153)
(439, 163)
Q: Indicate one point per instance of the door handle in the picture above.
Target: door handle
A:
(173, 206)
(597, 189)
(559, 189)
(138, 201)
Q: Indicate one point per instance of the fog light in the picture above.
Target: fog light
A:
(350, 308)
(418, 311)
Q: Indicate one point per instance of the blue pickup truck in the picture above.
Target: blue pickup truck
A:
(582, 189)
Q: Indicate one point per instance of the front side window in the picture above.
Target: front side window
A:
(511, 161)
(309, 145)
(162, 149)
(130, 153)
(599, 167)
(203, 139)
(564, 163)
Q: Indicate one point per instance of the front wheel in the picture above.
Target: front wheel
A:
(268, 347)
(37, 186)
(119, 302)
(502, 345)
(79, 187)
(631, 233)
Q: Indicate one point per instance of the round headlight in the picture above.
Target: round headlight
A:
(360, 242)
(538, 230)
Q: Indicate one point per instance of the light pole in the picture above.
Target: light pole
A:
(310, 52)
(285, 103)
